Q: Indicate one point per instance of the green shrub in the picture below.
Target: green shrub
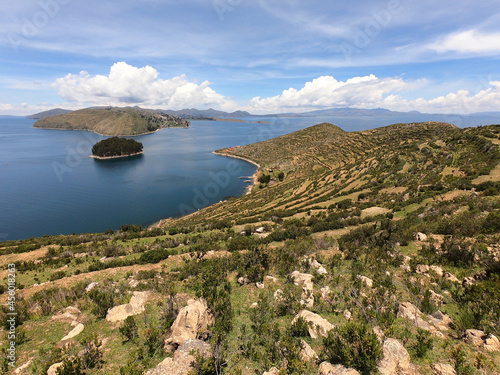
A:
(353, 345)
(129, 329)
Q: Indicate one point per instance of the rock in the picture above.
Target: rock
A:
(438, 270)
(23, 367)
(380, 334)
(474, 337)
(318, 326)
(272, 371)
(91, 286)
(318, 266)
(307, 353)
(492, 344)
(134, 307)
(304, 280)
(254, 305)
(271, 279)
(243, 280)
(468, 281)
(325, 292)
(409, 311)
(443, 369)
(421, 236)
(368, 282)
(191, 320)
(326, 368)
(396, 359)
(75, 331)
(260, 230)
(347, 314)
(183, 361)
(52, 369)
(450, 277)
(435, 298)
(69, 315)
(441, 321)
(260, 285)
(422, 268)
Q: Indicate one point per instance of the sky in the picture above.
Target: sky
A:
(262, 56)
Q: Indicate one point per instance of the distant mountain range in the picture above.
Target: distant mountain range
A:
(212, 114)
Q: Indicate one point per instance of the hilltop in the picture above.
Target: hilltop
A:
(50, 112)
(112, 121)
(376, 251)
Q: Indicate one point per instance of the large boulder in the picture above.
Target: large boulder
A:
(492, 344)
(474, 337)
(74, 332)
(134, 307)
(318, 326)
(326, 368)
(192, 320)
(435, 324)
(183, 361)
(396, 360)
(53, 369)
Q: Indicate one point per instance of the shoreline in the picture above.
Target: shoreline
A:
(114, 157)
(254, 176)
(111, 135)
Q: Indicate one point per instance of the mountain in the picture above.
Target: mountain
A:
(50, 112)
(375, 250)
(112, 121)
(193, 113)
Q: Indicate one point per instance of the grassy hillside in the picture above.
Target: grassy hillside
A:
(111, 121)
(364, 229)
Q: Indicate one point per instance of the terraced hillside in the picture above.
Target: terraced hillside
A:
(361, 253)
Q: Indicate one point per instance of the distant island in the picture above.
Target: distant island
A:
(112, 121)
(116, 147)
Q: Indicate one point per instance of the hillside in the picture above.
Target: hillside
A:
(377, 251)
(50, 112)
(112, 121)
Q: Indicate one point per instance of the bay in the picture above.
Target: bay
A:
(49, 185)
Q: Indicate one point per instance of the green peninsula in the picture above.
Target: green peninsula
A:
(112, 121)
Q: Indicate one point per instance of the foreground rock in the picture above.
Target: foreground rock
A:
(134, 307)
(436, 323)
(317, 325)
(326, 368)
(192, 320)
(443, 369)
(304, 280)
(74, 332)
(396, 359)
(183, 361)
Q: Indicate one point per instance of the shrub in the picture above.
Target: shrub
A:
(103, 301)
(129, 329)
(300, 328)
(353, 345)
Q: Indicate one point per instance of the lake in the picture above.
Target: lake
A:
(49, 185)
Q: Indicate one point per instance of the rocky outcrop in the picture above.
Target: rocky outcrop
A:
(191, 321)
(183, 361)
(443, 369)
(480, 339)
(304, 280)
(492, 344)
(318, 266)
(317, 325)
(307, 353)
(396, 359)
(326, 368)
(435, 323)
(74, 332)
(134, 307)
(53, 369)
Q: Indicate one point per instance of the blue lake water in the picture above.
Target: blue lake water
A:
(49, 185)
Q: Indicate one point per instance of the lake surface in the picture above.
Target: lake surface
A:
(49, 185)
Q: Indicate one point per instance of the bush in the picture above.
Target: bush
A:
(129, 329)
(353, 345)
(103, 300)
(300, 328)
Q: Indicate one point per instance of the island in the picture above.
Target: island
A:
(116, 147)
(112, 121)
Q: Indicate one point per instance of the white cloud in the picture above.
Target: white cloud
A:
(468, 41)
(373, 92)
(129, 85)
(326, 91)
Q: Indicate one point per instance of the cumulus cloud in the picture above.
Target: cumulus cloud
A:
(373, 92)
(129, 85)
(326, 91)
(468, 41)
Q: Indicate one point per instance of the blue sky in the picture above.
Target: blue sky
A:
(264, 56)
